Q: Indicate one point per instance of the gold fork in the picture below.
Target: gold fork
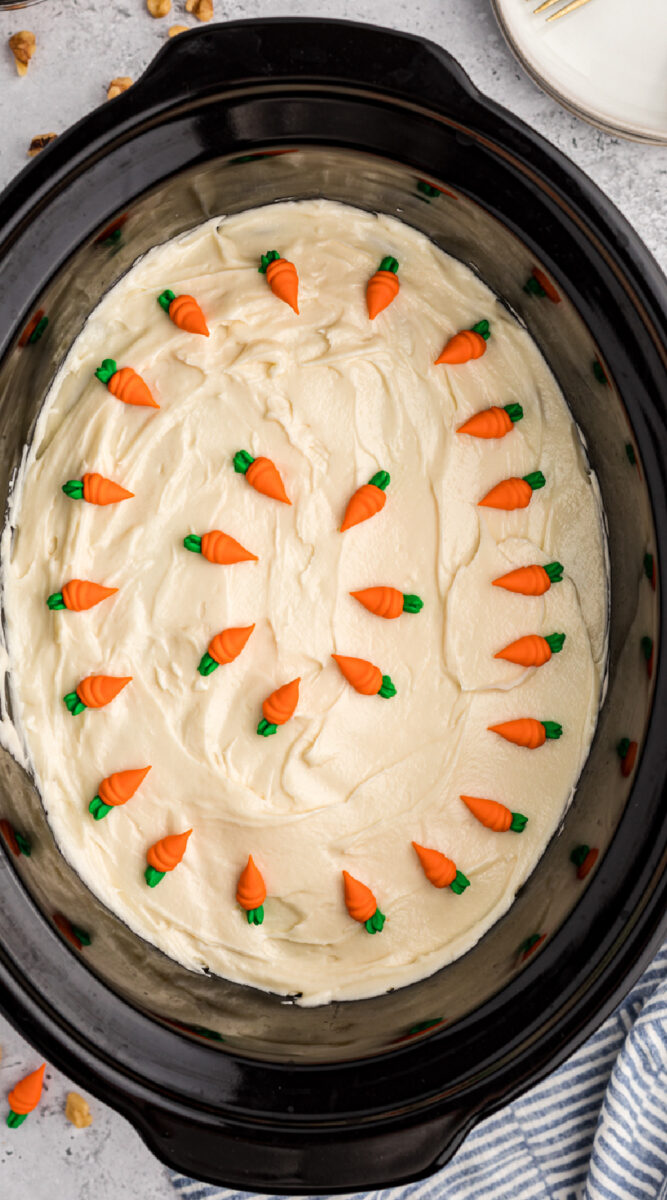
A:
(562, 12)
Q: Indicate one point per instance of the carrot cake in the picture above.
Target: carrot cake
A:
(306, 528)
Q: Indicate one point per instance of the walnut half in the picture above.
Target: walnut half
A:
(22, 46)
(39, 142)
(120, 84)
(78, 1111)
(201, 9)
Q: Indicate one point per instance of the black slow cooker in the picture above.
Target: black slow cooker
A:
(227, 1083)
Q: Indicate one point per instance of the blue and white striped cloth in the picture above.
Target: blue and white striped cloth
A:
(596, 1129)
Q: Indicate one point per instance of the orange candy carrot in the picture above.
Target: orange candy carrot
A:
(534, 580)
(495, 816)
(251, 892)
(382, 287)
(365, 677)
(224, 648)
(115, 790)
(34, 329)
(492, 422)
(7, 831)
(281, 277)
(25, 1097)
(513, 493)
(528, 732)
(440, 870)
(532, 650)
(125, 384)
(164, 855)
(261, 474)
(95, 489)
(279, 707)
(95, 691)
(227, 646)
(112, 233)
(184, 312)
(218, 547)
(531, 945)
(366, 501)
(79, 594)
(627, 752)
(76, 936)
(388, 602)
(584, 858)
(539, 284)
(18, 843)
(362, 905)
(469, 343)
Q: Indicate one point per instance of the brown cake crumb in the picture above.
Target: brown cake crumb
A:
(158, 8)
(39, 142)
(120, 84)
(22, 46)
(78, 1111)
(201, 9)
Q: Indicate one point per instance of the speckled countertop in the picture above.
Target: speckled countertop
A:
(81, 46)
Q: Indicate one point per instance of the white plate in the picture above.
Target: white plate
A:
(607, 61)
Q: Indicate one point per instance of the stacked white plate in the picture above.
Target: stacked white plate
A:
(607, 61)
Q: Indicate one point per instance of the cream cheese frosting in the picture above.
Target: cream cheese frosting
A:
(350, 781)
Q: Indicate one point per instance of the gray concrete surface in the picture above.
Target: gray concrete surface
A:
(82, 45)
